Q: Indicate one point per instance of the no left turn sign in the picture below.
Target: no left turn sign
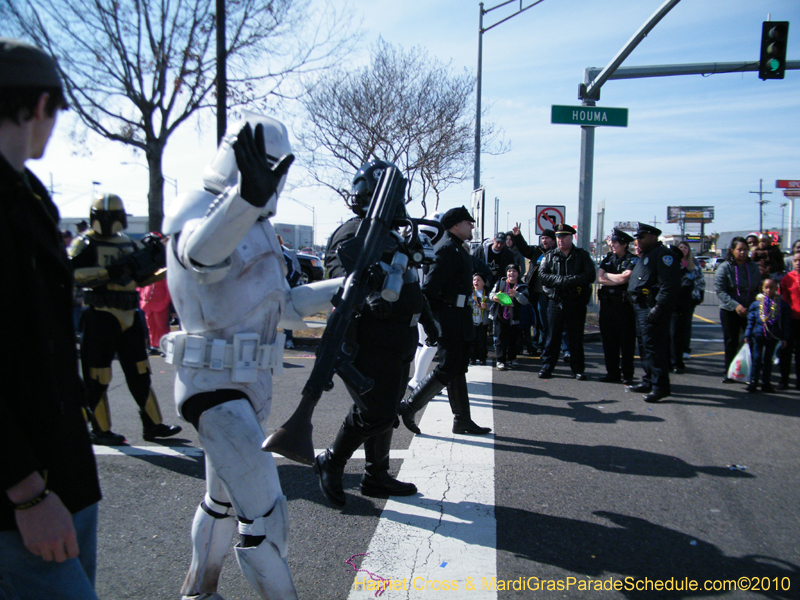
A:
(547, 217)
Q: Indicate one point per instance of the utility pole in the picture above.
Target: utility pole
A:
(761, 203)
(783, 210)
(655, 221)
(476, 179)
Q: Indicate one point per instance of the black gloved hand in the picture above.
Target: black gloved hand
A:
(380, 308)
(654, 315)
(259, 181)
(433, 331)
(118, 271)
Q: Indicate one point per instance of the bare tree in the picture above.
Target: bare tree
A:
(404, 107)
(135, 70)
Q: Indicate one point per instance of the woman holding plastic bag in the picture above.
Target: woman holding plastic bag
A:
(736, 283)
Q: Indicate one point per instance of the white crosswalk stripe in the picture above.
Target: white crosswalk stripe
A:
(444, 539)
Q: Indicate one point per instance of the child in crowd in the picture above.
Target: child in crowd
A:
(507, 316)
(767, 324)
(480, 319)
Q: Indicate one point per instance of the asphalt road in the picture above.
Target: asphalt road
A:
(590, 483)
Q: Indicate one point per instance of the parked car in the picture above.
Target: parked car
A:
(311, 266)
(702, 261)
(714, 262)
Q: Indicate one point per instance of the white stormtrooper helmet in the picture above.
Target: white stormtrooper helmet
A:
(222, 172)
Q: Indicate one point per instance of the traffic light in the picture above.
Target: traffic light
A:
(772, 64)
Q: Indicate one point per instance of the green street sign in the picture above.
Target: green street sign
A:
(589, 115)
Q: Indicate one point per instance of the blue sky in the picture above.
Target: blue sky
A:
(690, 140)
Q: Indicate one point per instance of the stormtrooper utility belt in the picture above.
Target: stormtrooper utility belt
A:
(245, 357)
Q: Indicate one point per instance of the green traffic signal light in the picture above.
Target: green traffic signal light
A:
(772, 63)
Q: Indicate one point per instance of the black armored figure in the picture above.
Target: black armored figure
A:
(386, 334)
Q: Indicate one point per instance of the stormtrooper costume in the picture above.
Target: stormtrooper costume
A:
(425, 353)
(227, 277)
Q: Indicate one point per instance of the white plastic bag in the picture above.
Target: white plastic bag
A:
(741, 365)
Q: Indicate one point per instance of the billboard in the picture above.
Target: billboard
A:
(690, 214)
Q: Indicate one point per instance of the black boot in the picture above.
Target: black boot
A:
(458, 394)
(329, 465)
(424, 393)
(377, 483)
(151, 430)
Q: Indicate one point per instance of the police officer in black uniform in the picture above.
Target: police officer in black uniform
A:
(386, 334)
(567, 273)
(447, 287)
(653, 289)
(617, 319)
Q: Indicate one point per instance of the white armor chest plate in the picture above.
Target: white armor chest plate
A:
(249, 298)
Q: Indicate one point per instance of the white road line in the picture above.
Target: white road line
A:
(192, 451)
(446, 535)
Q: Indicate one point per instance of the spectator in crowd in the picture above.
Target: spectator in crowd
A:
(768, 257)
(154, 300)
(447, 287)
(768, 322)
(539, 300)
(81, 226)
(66, 237)
(790, 292)
(736, 283)
(653, 287)
(567, 274)
(496, 255)
(690, 294)
(527, 317)
(507, 314)
(617, 319)
(519, 259)
(788, 262)
(752, 242)
(48, 476)
(479, 302)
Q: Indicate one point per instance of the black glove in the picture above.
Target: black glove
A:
(259, 181)
(433, 331)
(380, 308)
(654, 315)
(118, 271)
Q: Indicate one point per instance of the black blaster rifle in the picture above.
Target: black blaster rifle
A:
(336, 353)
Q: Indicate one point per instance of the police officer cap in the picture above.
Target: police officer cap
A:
(454, 216)
(564, 229)
(620, 236)
(24, 65)
(644, 229)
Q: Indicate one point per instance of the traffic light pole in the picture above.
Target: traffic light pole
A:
(589, 93)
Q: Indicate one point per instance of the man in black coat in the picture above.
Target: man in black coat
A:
(567, 273)
(653, 289)
(48, 476)
(447, 287)
(496, 255)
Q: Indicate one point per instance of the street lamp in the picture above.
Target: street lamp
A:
(476, 181)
